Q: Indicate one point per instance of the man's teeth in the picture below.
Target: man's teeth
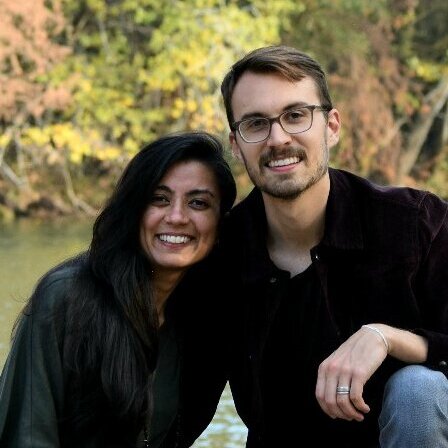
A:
(174, 239)
(283, 162)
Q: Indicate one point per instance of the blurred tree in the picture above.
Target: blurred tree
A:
(28, 52)
(85, 83)
(147, 68)
(138, 69)
(150, 67)
(426, 155)
(388, 86)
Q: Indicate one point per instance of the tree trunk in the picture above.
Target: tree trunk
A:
(433, 104)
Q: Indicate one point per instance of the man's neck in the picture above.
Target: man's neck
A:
(295, 226)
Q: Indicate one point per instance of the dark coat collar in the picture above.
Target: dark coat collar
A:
(343, 228)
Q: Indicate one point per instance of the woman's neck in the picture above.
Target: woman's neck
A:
(164, 282)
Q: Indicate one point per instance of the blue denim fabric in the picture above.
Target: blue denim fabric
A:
(415, 409)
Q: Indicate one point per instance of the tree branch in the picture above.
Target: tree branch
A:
(434, 101)
(76, 202)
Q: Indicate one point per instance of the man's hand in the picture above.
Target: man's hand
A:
(355, 361)
(350, 366)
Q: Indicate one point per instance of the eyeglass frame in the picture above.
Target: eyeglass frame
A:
(311, 107)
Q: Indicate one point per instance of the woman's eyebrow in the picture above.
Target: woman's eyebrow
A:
(189, 193)
(201, 191)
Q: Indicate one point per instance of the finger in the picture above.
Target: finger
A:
(343, 400)
(321, 387)
(331, 399)
(342, 394)
(356, 397)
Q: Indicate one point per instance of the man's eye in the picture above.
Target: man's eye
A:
(257, 123)
(294, 116)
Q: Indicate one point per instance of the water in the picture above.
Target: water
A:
(27, 250)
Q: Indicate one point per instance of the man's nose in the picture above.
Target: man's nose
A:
(278, 136)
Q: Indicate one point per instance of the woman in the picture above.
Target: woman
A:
(119, 347)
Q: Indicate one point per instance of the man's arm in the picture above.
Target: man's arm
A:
(355, 361)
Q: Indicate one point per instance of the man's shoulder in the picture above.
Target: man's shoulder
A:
(246, 210)
(375, 193)
(389, 211)
(253, 199)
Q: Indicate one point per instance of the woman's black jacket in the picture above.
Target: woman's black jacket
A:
(34, 382)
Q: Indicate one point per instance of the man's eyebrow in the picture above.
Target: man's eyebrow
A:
(290, 106)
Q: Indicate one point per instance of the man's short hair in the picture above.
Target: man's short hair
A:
(288, 62)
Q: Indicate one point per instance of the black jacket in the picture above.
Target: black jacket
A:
(34, 381)
(383, 258)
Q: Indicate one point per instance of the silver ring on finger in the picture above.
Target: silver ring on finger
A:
(342, 390)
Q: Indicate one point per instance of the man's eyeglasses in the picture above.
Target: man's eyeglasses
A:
(257, 129)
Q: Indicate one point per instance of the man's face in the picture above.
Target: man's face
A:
(284, 165)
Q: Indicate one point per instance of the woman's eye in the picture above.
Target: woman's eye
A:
(158, 200)
(199, 204)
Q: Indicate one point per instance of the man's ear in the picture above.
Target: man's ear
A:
(236, 151)
(333, 127)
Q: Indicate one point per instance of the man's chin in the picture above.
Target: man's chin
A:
(285, 193)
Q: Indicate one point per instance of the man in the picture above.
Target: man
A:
(341, 285)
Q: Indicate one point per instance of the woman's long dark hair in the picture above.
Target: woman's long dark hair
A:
(110, 343)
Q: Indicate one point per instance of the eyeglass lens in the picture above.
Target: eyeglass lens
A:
(292, 121)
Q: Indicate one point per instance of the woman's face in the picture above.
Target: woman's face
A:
(179, 226)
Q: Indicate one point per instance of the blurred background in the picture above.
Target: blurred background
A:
(85, 83)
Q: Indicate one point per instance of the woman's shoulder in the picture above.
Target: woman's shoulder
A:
(56, 285)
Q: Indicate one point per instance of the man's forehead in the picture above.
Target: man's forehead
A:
(269, 93)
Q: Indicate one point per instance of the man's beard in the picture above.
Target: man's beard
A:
(287, 187)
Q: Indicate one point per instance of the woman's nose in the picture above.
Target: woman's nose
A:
(176, 215)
